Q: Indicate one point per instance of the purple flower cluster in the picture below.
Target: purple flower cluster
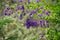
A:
(42, 23)
(44, 12)
(30, 23)
(20, 7)
(7, 11)
(32, 12)
(37, 1)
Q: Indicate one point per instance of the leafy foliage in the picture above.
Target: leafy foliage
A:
(5, 21)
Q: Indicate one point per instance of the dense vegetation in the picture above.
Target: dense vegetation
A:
(22, 23)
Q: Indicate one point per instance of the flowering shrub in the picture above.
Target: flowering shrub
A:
(28, 19)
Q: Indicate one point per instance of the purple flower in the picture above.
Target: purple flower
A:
(34, 23)
(28, 1)
(7, 11)
(24, 13)
(40, 15)
(20, 7)
(0, 15)
(30, 23)
(41, 7)
(14, 0)
(48, 13)
(43, 11)
(19, 0)
(41, 35)
(36, 9)
(47, 23)
(41, 23)
(8, 8)
(44, 23)
(8, 14)
(37, 1)
(32, 12)
(21, 16)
